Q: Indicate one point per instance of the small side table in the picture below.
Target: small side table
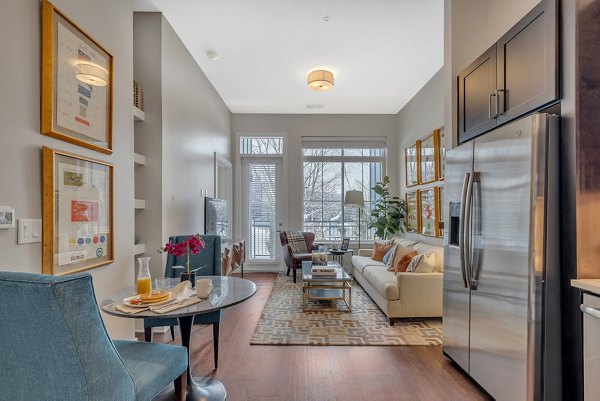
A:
(338, 254)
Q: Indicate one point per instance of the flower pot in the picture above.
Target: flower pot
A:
(191, 276)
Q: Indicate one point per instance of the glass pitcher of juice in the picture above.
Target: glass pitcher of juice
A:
(144, 281)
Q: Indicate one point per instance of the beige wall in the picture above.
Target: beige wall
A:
(110, 23)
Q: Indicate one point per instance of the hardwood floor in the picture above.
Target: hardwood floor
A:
(311, 373)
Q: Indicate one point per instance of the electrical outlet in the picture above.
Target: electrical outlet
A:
(29, 231)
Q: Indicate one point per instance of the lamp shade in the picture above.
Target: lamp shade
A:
(320, 80)
(354, 199)
(91, 74)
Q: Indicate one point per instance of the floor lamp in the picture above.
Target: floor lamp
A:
(355, 199)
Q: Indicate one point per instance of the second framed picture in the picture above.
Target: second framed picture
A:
(411, 164)
(412, 212)
(77, 205)
(428, 212)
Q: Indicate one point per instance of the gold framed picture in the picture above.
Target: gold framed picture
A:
(411, 164)
(77, 207)
(412, 213)
(77, 84)
(439, 196)
(428, 159)
(428, 212)
(442, 153)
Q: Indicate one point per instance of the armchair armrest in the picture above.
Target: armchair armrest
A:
(314, 247)
(365, 252)
(421, 294)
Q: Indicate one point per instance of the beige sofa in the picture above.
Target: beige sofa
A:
(405, 294)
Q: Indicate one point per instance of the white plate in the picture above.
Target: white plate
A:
(127, 301)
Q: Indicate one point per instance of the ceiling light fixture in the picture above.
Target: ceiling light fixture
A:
(91, 74)
(213, 55)
(320, 80)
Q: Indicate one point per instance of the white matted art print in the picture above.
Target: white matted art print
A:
(78, 218)
(7, 217)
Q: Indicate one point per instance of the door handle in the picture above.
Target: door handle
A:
(461, 229)
(490, 115)
(590, 311)
(474, 239)
(467, 229)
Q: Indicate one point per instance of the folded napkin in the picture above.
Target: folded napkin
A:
(130, 310)
(160, 309)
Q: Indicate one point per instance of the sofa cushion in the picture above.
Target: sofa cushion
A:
(403, 263)
(380, 249)
(422, 263)
(439, 255)
(407, 243)
(400, 253)
(360, 262)
(383, 281)
(388, 258)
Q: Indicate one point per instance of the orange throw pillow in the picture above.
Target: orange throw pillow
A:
(380, 249)
(403, 263)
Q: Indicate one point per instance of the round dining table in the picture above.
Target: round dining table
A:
(227, 291)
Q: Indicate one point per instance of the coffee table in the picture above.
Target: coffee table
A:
(326, 288)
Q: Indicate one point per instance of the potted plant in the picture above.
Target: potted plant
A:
(191, 246)
(387, 216)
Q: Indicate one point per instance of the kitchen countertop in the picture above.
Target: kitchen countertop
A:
(590, 285)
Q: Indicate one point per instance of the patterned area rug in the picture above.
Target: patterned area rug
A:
(283, 323)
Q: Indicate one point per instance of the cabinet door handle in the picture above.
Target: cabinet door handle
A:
(490, 115)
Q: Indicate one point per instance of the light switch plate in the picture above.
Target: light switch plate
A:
(29, 231)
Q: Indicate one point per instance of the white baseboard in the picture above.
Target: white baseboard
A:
(161, 329)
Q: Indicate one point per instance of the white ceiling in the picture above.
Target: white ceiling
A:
(381, 51)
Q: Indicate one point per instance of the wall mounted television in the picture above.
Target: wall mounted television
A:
(216, 217)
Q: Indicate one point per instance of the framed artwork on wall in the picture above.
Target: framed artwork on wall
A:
(412, 213)
(428, 212)
(77, 84)
(428, 159)
(442, 153)
(77, 206)
(439, 196)
(411, 164)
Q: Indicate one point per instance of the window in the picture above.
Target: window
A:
(330, 169)
(268, 145)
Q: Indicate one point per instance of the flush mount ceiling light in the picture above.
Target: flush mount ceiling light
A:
(91, 74)
(320, 80)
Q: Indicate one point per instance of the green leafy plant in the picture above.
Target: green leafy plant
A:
(387, 217)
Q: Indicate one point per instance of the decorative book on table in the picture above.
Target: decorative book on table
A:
(323, 271)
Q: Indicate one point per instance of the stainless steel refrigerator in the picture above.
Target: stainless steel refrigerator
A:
(501, 267)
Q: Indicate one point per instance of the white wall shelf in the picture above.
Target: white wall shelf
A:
(140, 203)
(138, 114)
(138, 249)
(139, 159)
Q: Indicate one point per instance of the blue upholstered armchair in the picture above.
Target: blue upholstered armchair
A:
(209, 260)
(54, 346)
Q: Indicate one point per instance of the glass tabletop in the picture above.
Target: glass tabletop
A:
(227, 291)
(340, 274)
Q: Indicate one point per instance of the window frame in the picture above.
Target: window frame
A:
(342, 160)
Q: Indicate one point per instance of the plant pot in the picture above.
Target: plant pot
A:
(191, 276)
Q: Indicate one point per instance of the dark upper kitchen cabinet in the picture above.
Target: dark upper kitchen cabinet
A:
(515, 76)
(477, 102)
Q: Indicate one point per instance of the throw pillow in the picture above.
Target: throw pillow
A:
(297, 241)
(400, 252)
(422, 263)
(388, 259)
(404, 261)
(380, 249)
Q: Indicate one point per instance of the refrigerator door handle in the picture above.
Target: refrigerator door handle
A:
(468, 236)
(476, 234)
(461, 230)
